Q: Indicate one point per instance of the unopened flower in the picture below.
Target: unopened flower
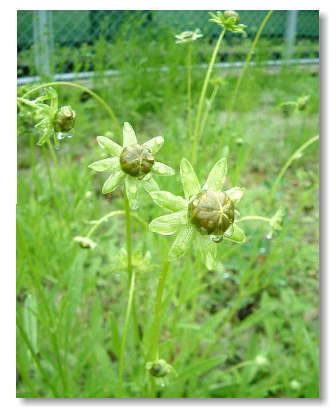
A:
(228, 20)
(159, 368)
(188, 36)
(205, 216)
(132, 164)
(85, 242)
(54, 122)
(64, 119)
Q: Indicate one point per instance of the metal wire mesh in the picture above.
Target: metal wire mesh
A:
(56, 41)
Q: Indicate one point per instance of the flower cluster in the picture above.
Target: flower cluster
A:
(228, 20)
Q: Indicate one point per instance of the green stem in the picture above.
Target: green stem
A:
(155, 330)
(131, 281)
(291, 159)
(208, 108)
(261, 218)
(125, 332)
(189, 67)
(111, 214)
(246, 64)
(202, 99)
(128, 237)
(52, 152)
(81, 87)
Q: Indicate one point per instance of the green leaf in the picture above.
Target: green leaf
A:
(235, 193)
(169, 223)
(149, 184)
(105, 165)
(217, 176)
(129, 137)
(168, 201)
(131, 185)
(189, 179)
(181, 243)
(30, 321)
(154, 144)
(113, 181)
(236, 234)
(208, 250)
(162, 169)
(111, 147)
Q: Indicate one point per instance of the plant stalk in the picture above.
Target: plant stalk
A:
(202, 99)
(189, 68)
(246, 64)
(81, 87)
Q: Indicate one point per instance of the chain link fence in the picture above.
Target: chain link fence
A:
(66, 42)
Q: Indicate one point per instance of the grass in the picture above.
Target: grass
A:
(248, 329)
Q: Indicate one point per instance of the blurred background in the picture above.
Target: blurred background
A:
(253, 331)
(70, 42)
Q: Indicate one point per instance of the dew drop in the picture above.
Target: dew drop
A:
(60, 136)
(216, 239)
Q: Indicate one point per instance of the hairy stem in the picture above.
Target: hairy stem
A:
(202, 99)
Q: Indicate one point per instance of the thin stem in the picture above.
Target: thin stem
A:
(246, 64)
(202, 99)
(131, 281)
(52, 152)
(189, 68)
(155, 330)
(291, 159)
(261, 218)
(128, 237)
(125, 332)
(208, 108)
(103, 219)
(81, 87)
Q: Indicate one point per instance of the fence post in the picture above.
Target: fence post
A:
(43, 42)
(290, 34)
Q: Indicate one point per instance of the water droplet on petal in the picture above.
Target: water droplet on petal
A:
(269, 236)
(60, 136)
(216, 239)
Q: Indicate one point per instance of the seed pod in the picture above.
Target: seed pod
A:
(159, 368)
(211, 212)
(65, 119)
(232, 14)
(137, 161)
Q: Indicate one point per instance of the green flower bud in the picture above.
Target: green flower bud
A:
(85, 242)
(137, 161)
(65, 119)
(159, 368)
(211, 212)
(232, 14)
